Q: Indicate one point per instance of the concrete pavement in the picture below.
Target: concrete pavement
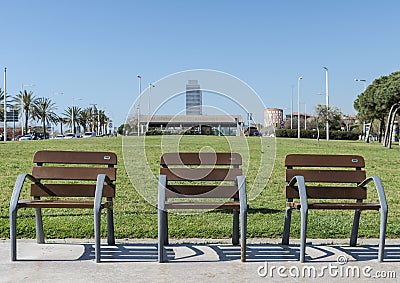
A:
(197, 260)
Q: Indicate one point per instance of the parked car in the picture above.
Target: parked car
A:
(59, 137)
(70, 136)
(25, 138)
(89, 134)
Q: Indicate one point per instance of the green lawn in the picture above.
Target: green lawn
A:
(137, 218)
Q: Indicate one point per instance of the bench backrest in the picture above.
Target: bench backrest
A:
(341, 172)
(201, 175)
(80, 167)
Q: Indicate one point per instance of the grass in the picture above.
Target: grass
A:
(137, 218)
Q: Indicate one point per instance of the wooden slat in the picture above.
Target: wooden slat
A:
(71, 173)
(196, 191)
(75, 157)
(201, 174)
(327, 176)
(59, 204)
(203, 158)
(328, 192)
(340, 206)
(70, 190)
(324, 160)
(202, 205)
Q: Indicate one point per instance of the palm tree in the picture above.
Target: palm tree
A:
(25, 100)
(85, 118)
(71, 115)
(43, 109)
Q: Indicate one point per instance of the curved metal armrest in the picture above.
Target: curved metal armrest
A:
(162, 184)
(241, 180)
(302, 190)
(19, 183)
(379, 188)
(101, 178)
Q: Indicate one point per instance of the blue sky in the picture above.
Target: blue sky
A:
(93, 50)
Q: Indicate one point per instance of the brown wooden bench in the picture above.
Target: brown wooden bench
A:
(72, 179)
(337, 178)
(187, 179)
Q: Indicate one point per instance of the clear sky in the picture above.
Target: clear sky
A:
(93, 50)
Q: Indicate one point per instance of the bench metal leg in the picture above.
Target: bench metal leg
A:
(235, 228)
(13, 234)
(354, 230)
(39, 226)
(97, 215)
(110, 227)
(286, 227)
(161, 235)
(382, 234)
(165, 221)
(303, 234)
(243, 231)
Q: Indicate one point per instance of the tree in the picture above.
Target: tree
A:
(71, 115)
(24, 100)
(376, 101)
(331, 114)
(43, 110)
(84, 118)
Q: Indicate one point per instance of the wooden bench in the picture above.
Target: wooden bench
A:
(333, 178)
(188, 178)
(72, 179)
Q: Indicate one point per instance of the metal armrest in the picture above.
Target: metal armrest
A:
(162, 184)
(242, 193)
(19, 183)
(379, 188)
(101, 178)
(302, 190)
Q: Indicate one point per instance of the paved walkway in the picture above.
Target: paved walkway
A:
(194, 260)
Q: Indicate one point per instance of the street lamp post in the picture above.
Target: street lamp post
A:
(298, 107)
(291, 110)
(138, 107)
(363, 81)
(5, 104)
(327, 102)
(148, 110)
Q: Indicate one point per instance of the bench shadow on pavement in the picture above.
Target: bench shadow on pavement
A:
(224, 253)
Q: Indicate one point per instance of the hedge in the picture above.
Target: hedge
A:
(312, 134)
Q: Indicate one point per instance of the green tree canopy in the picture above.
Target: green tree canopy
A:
(375, 102)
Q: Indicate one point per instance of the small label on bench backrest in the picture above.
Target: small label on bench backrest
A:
(354, 160)
(107, 157)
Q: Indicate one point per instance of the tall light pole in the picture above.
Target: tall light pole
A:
(363, 81)
(327, 102)
(22, 106)
(298, 107)
(5, 104)
(148, 110)
(291, 110)
(140, 91)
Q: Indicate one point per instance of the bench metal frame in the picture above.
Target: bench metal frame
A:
(305, 205)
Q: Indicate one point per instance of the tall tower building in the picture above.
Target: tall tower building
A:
(193, 98)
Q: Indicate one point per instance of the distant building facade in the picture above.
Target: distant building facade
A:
(193, 98)
(273, 117)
